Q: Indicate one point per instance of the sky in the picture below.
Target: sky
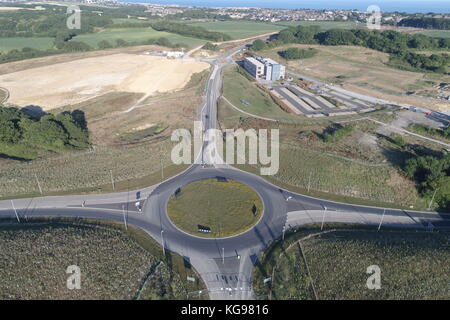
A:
(410, 6)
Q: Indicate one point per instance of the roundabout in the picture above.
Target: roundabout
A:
(215, 208)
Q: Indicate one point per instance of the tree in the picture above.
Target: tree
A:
(306, 35)
(286, 36)
(258, 45)
(335, 37)
(104, 44)
(9, 131)
(121, 43)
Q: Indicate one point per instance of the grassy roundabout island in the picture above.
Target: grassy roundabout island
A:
(215, 208)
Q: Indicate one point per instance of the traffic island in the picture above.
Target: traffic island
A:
(215, 208)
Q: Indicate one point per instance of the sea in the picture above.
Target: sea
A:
(408, 6)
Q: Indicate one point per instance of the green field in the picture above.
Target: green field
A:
(114, 263)
(324, 25)
(131, 20)
(135, 34)
(413, 264)
(437, 33)
(226, 207)
(238, 88)
(7, 44)
(239, 29)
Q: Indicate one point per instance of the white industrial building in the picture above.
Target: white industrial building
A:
(264, 68)
(174, 54)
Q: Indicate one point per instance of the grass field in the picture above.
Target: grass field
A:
(365, 71)
(239, 29)
(8, 44)
(324, 25)
(413, 265)
(238, 88)
(436, 33)
(226, 207)
(130, 20)
(114, 264)
(135, 34)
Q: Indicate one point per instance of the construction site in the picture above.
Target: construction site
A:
(328, 103)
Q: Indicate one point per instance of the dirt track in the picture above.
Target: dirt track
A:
(72, 82)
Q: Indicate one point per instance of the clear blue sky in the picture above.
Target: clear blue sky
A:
(442, 6)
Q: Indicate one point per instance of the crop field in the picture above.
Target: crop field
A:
(136, 34)
(114, 264)
(413, 265)
(324, 25)
(365, 71)
(8, 44)
(226, 207)
(239, 29)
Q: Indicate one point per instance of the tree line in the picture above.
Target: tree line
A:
(426, 23)
(297, 53)
(399, 45)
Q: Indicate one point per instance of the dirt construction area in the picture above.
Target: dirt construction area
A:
(72, 82)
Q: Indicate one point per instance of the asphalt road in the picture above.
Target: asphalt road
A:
(224, 264)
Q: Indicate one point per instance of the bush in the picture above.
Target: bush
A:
(297, 53)
(258, 45)
(333, 134)
(210, 46)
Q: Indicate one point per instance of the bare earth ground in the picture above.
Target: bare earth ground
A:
(72, 82)
(365, 71)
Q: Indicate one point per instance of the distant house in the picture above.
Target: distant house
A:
(264, 68)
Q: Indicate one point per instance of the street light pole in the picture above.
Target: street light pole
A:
(163, 244)
(15, 211)
(223, 255)
(432, 199)
(381, 221)
(323, 217)
(124, 217)
(112, 180)
(39, 185)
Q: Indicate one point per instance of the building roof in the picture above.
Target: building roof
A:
(254, 61)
